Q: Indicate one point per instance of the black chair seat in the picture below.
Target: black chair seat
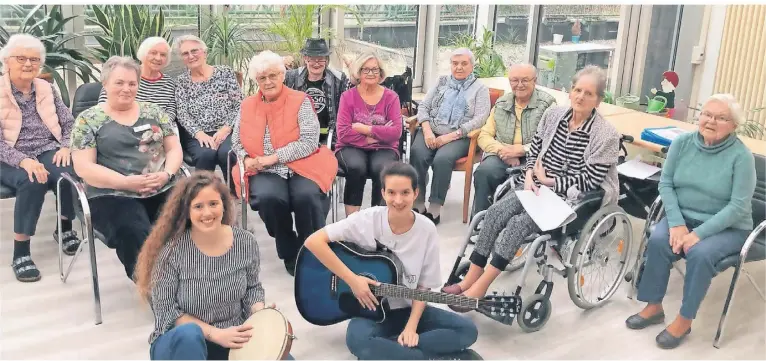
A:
(6, 192)
(757, 253)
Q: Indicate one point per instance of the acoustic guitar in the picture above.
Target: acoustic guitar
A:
(324, 299)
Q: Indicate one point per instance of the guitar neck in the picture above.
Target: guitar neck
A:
(397, 291)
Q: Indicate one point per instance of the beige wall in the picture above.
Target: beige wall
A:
(741, 68)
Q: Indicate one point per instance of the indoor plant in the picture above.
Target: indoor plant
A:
(125, 27)
(227, 44)
(49, 28)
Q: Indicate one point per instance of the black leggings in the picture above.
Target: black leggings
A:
(360, 164)
(126, 222)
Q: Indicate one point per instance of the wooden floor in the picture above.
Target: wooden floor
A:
(54, 320)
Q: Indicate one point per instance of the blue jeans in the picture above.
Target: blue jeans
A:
(186, 342)
(439, 331)
(700, 265)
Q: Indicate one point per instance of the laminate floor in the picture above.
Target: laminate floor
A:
(54, 320)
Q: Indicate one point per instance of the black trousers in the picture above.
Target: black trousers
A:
(125, 223)
(207, 158)
(30, 196)
(360, 164)
(276, 199)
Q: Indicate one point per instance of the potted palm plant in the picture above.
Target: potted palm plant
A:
(227, 44)
(59, 53)
(125, 27)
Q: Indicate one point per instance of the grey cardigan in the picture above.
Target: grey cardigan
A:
(603, 148)
(475, 116)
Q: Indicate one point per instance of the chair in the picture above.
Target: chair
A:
(464, 164)
(85, 97)
(754, 249)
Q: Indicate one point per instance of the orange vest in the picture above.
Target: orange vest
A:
(281, 116)
(10, 112)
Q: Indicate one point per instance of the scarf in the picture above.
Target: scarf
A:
(454, 103)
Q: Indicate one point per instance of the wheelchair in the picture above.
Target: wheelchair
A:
(593, 248)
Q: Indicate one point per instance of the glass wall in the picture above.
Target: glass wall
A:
(456, 30)
(389, 30)
(573, 36)
(511, 27)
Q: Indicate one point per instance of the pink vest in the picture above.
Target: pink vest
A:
(10, 113)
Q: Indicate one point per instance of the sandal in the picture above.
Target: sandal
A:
(25, 269)
(71, 241)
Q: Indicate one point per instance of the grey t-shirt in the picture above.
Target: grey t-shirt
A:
(128, 150)
(417, 249)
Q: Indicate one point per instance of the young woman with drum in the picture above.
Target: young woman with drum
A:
(412, 330)
(200, 275)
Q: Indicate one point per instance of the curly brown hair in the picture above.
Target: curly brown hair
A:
(174, 221)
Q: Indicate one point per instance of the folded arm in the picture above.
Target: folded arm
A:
(392, 130)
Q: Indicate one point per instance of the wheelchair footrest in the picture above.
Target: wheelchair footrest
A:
(500, 308)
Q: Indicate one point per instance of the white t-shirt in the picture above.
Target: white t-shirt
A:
(417, 249)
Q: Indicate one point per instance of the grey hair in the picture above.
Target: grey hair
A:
(24, 41)
(119, 62)
(262, 61)
(523, 65)
(463, 51)
(355, 70)
(184, 38)
(735, 109)
(597, 73)
(149, 43)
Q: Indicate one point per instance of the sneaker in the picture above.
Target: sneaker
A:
(25, 269)
(71, 241)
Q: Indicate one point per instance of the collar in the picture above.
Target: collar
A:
(586, 126)
(16, 92)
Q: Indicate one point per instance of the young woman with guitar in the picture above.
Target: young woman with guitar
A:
(411, 329)
(199, 274)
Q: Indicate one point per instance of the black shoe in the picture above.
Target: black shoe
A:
(25, 269)
(667, 341)
(71, 241)
(637, 322)
(466, 354)
(290, 267)
(436, 219)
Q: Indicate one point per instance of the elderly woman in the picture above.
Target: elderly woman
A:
(154, 86)
(369, 127)
(35, 125)
(208, 99)
(708, 215)
(574, 150)
(129, 157)
(286, 171)
(457, 105)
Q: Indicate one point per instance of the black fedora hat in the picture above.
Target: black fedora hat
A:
(315, 47)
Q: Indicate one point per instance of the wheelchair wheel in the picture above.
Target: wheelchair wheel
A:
(535, 313)
(459, 274)
(599, 258)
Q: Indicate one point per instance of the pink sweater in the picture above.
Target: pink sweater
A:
(385, 119)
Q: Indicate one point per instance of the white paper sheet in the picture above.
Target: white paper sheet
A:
(547, 209)
(635, 168)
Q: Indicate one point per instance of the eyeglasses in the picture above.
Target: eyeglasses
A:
(522, 81)
(273, 77)
(193, 52)
(708, 116)
(370, 71)
(23, 59)
(317, 60)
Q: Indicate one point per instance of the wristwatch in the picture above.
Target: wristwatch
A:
(170, 176)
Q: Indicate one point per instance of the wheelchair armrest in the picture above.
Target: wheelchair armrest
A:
(514, 170)
(595, 195)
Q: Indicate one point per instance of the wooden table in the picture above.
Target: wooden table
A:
(635, 123)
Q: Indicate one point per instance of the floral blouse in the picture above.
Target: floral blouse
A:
(208, 105)
(128, 150)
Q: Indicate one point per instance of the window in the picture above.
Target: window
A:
(456, 30)
(573, 36)
(11, 16)
(389, 30)
(511, 27)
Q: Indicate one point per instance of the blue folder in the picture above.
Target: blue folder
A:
(650, 135)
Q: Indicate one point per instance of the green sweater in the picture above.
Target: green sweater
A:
(710, 184)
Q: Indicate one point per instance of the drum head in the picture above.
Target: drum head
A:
(270, 335)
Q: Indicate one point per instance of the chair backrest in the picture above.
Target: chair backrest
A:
(85, 97)
(759, 197)
(402, 85)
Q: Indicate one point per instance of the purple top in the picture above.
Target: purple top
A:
(34, 137)
(384, 117)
